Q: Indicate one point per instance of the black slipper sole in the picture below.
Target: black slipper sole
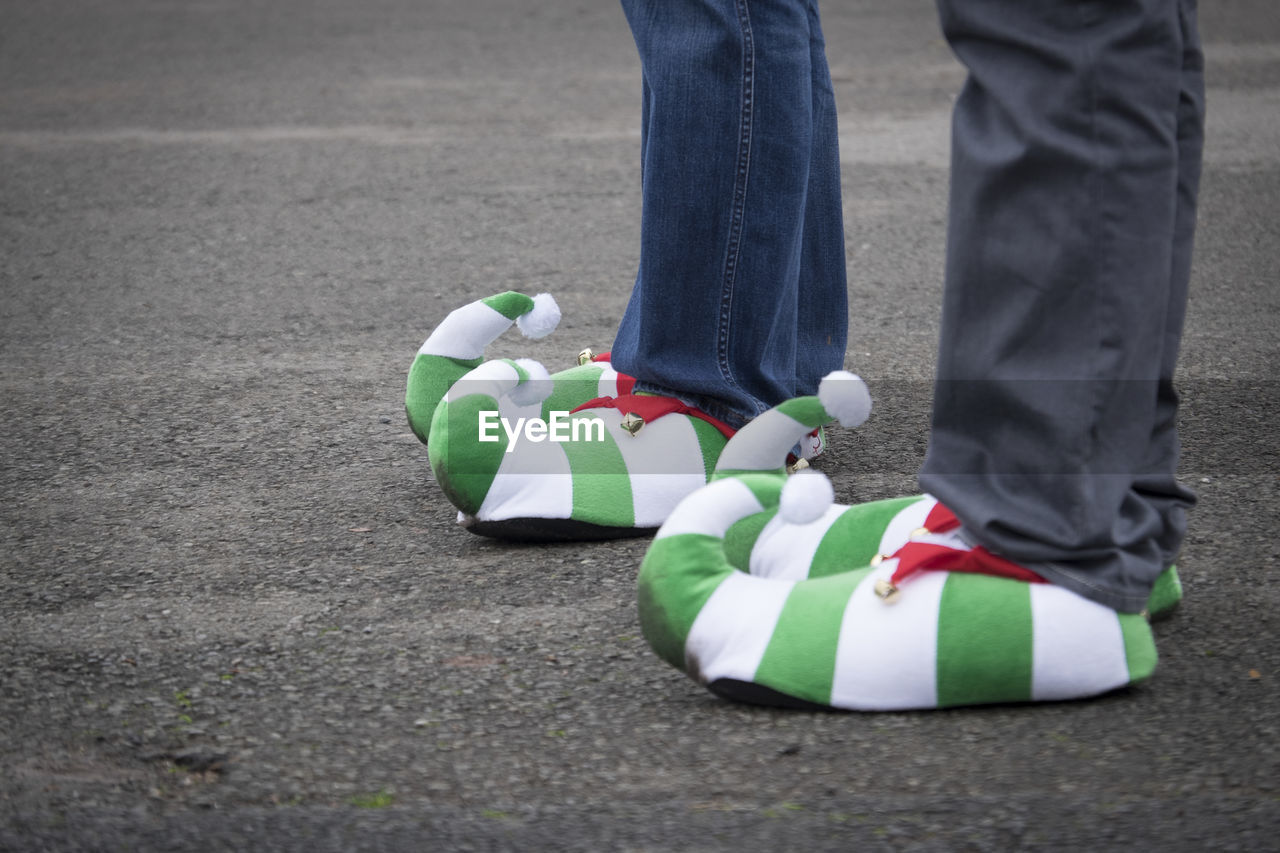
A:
(553, 530)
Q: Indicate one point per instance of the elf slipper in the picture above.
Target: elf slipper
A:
(770, 544)
(936, 624)
(519, 463)
(455, 349)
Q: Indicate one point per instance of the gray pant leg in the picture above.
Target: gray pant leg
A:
(1072, 205)
(1157, 484)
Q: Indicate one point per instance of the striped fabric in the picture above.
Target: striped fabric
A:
(609, 481)
(823, 637)
(453, 348)
(608, 477)
(605, 479)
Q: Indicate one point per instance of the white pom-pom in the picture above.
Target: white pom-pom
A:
(845, 397)
(536, 388)
(805, 497)
(542, 319)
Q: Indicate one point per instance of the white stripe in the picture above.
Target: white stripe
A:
(907, 521)
(762, 444)
(786, 550)
(711, 510)
(608, 382)
(1078, 646)
(466, 332)
(491, 379)
(886, 657)
(533, 481)
(664, 460)
(528, 495)
(731, 632)
(656, 496)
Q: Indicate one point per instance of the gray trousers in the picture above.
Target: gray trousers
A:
(1076, 149)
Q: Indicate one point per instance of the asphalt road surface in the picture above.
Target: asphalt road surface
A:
(235, 612)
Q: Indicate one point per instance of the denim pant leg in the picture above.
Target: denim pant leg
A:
(739, 302)
(1075, 152)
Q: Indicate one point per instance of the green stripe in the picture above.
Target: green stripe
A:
(1165, 594)
(464, 466)
(522, 375)
(984, 640)
(740, 538)
(677, 576)
(572, 388)
(765, 486)
(855, 536)
(430, 377)
(726, 473)
(800, 659)
(601, 485)
(509, 304)
(807, 410)
(1139, 645)
(710, 441)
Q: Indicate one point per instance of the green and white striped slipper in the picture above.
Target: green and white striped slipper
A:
(518, 464)
(762, 589)
(536, 457)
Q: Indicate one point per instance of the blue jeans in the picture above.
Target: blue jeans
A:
(739, 302)
(1076, 150)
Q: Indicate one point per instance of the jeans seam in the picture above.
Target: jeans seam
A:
(738, 213)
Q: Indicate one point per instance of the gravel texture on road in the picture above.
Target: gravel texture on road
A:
(235, 611)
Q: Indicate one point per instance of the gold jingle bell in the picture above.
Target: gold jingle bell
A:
(886, 591)
(585, 356)
(632, 423)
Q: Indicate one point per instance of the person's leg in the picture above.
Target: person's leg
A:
(739, 302)
(1063, 302)
(1157, 484)
(741, 242)
(823, 300)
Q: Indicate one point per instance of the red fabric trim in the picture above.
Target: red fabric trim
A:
(941, 519)
(925, 556)
(650, 408)
(916, 557)
(626, 384)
